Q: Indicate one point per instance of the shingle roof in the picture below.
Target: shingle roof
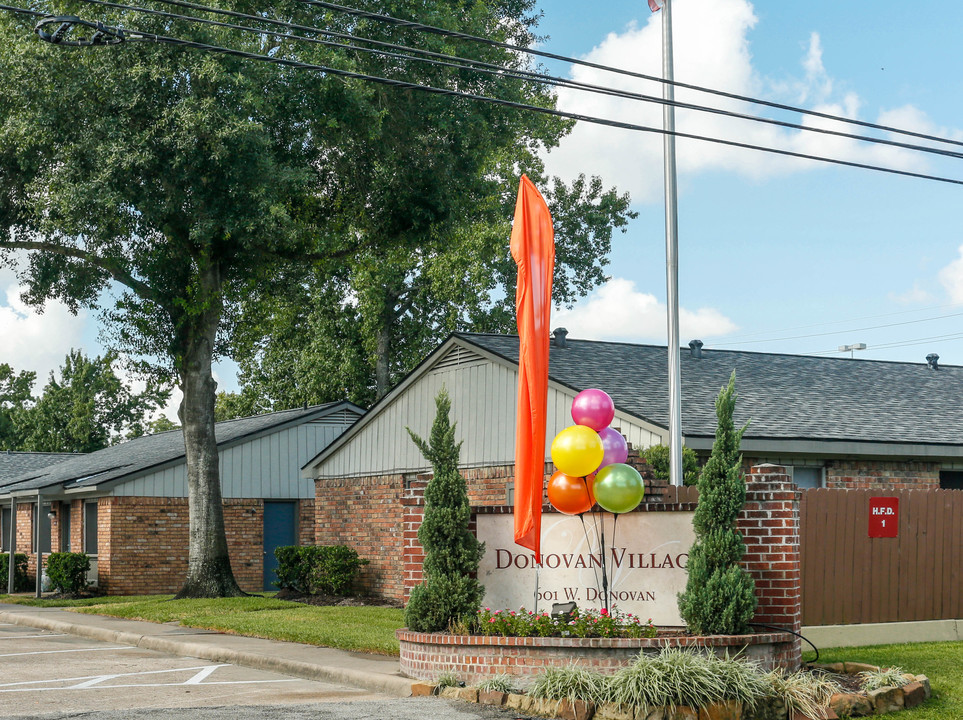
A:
(787, 397)
(14, 464)
(143, 453)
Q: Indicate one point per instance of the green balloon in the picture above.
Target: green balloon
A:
(618, 488)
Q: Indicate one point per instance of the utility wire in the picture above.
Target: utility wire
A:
(898, 343)
(460, 63)
(407, 85)
(25, 11)
(574, 61)
(840, 332)
(402, 84)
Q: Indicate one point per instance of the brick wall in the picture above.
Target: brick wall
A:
(769, 524)
(25, 513)
(365, 514)
(882, 475)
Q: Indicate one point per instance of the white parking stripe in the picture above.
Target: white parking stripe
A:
(196, 680)
(56, 652)
(21, 637)
(147, 685)
(94, 677)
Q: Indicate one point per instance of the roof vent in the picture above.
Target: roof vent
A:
(558, 337)
(696, 347)
(932, 359)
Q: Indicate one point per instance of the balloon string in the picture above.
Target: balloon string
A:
(588, 543)
(605, 578)
(615, 527)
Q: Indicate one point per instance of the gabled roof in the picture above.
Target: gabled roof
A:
(794, 403)
(14, 464)
(786, 397)
(151, 452)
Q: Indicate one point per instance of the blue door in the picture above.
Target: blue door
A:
(280, 525)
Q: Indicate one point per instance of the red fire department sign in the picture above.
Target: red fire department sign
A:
(883, 517)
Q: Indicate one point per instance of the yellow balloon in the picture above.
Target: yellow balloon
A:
(577, 451)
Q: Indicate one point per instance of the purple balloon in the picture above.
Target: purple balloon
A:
(614, 447)
(593, 408)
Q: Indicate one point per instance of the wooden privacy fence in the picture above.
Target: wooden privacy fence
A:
(849, 577)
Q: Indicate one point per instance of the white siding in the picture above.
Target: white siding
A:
(484, 398)
(265, 467)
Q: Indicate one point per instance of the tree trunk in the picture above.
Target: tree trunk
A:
(209, 571)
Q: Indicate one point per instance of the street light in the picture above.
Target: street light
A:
(851, 348)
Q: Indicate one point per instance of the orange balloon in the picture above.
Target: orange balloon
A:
(571, 495)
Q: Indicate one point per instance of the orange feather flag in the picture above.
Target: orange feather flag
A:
(533, 248)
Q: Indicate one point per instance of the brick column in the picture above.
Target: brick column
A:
(769, 524)
(413, 555)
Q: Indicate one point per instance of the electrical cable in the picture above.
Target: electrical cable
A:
(791, 632)
(518, 105)
(840, 332)
(444, 60)
(25, 11)
(408, 85)
(574, 61)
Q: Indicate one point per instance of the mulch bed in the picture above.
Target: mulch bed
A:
(337, 600)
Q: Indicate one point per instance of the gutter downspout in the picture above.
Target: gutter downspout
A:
(13, 544)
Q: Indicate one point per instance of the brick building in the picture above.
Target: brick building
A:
(126, 505)
(836, 423)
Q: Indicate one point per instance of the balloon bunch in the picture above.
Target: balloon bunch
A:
(590, 457)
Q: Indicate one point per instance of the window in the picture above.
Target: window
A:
(951, 479)
(5, 530)
(807, 477)
(90, 527)
(44, 525)
(64, 516)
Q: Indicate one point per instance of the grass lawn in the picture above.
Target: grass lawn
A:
(940, 662)
(364, 629)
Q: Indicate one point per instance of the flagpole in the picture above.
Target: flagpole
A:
(671, 251)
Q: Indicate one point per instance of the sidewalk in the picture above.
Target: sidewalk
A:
(379, 673)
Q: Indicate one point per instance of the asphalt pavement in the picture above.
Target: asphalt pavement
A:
(377, 673)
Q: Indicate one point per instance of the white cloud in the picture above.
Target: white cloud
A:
(619, 312)
(37, 341)
(952, 278)
(914, 296)
(711, 49)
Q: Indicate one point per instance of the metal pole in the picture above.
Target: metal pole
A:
(12, 546)
(671, 252)
(39, 551)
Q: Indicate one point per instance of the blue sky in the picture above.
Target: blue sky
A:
(775, 254)
(777, 250)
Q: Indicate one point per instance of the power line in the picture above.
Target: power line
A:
(575, 61)
(443, 60)
(408, 85)
(899, 343)
(402, 84)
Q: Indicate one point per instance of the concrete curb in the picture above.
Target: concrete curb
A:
(377, 682)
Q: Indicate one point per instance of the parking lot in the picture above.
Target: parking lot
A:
(46, 672)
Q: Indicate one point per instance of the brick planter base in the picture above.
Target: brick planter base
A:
(472, 658)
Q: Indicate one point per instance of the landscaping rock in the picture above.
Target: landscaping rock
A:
(468, 694)
(659, 713)
(420, 689)
(545, 707)
(925, 682)
(576, 710)
(850, 705)
(682, 713)
(770, 709)
(886, 699)
(852, 668)
(522, 703)
(449, 692)
(726, 710)
(492, 697)
(614, 711)
(913, 694)
(821, 714)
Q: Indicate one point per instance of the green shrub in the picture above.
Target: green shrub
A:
(21, 583)
(68, 571)
(312, 569)
(449, 591)
(657, 457)
(719, 597)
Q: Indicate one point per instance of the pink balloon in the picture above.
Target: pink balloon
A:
(614, 447)
(593, 408)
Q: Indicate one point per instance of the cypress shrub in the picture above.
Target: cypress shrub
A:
(68, 571)
(719, 598)
(449, 591)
